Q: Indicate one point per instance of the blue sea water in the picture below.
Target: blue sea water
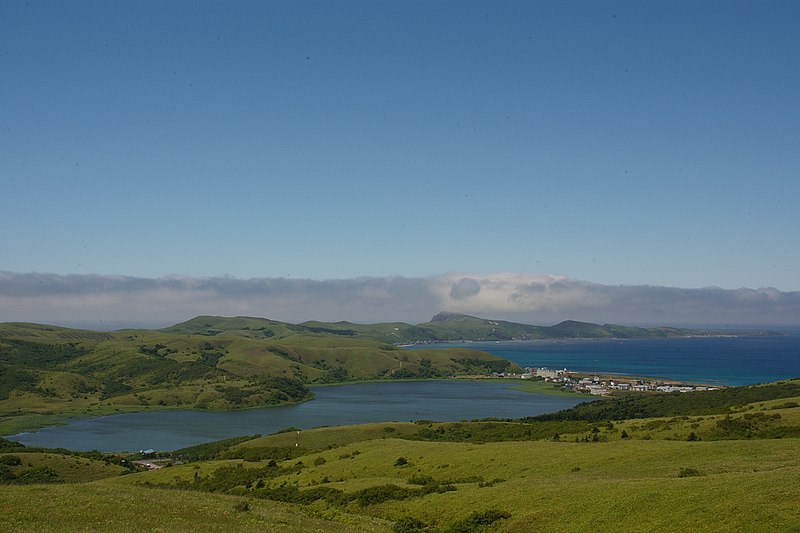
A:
(739, 360)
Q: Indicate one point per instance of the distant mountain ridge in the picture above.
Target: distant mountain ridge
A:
(444, 326)
(456, 326)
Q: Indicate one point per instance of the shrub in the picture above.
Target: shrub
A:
(10, 460)
(689, 472)
(6, 474)
(420, 479)
(38, 474)
(478, 521)
(383, 493)
(409, 524)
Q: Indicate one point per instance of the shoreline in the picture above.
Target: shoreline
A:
(32, 422)
(559, 340)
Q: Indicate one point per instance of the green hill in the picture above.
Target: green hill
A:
(47, 373)
(454, 326)
(728, 464)
(442, 327)
(211, 362)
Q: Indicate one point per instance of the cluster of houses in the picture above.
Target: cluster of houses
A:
(598, 386)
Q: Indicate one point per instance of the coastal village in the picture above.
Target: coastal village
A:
(602, 385)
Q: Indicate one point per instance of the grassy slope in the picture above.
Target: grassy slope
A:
(630, 484)
(110, 507)
(68, 468)
(444, 326)
(454, 326)
(746, 485)
(49, 373)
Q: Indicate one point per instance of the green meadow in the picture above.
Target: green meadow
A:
(737, 469)
(724, 460)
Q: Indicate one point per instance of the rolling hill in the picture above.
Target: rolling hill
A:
(48, 372)
(728, 462)
(212, 362)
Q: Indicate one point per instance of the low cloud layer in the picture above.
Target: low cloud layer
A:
(108, 302)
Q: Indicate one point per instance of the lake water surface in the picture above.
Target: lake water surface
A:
(715, 360)
(333, 405)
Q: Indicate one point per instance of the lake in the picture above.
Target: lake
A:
(333, 405)
(711, 360)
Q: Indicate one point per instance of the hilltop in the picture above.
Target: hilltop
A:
(444, 326)
(455, 326)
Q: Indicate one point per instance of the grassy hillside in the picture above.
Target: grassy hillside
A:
(110, 507)
(454, 326)
(676, 404)
(208, 362)
(639, 475)
(538, 486)
(724, 465)
(47, 372)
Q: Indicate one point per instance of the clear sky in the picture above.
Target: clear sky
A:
(621, 143)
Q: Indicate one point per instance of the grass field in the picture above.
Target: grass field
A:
(654, 478)
(108, 507)
(723, 461)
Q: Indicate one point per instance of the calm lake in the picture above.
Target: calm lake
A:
(715, 360)
(333, 405)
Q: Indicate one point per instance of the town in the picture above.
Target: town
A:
(598, 385)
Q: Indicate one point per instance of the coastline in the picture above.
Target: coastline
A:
(62, 419)
(12, 424)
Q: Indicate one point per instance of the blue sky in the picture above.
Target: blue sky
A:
(621, 143)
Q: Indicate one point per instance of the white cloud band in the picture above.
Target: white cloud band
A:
(117, 301)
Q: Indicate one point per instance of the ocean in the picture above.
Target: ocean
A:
(734, 360)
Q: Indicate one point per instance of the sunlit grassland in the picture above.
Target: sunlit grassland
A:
(24, 412)
(631, 485)
(776, 421)
(105, 507)
(649, 480)
(627, 484)
(68, 468)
